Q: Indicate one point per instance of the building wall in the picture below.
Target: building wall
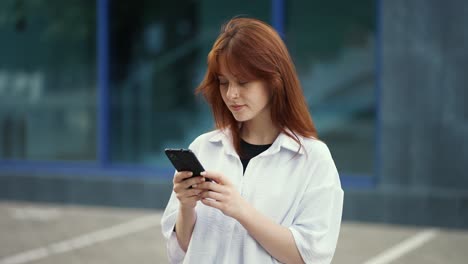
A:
(423, 176)
(425, 94)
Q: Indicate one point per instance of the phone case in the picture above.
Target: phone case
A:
(184, 160)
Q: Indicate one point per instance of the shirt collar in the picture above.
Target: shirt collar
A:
(282, 141)
(286, 142)
(224, 136)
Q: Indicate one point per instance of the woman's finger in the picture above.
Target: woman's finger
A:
(217, 177)
(192, 193)
(212, 195)
(179, 187)
(181, 176)
(212, 203)
(193, 182)
(211, 186)
(187, 193)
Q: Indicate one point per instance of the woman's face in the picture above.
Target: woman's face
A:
(246, 99)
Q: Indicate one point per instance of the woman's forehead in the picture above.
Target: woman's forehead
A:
(231, 68)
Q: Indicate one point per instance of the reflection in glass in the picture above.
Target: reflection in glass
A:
(158, 57)
(332, 44)
(47, 80)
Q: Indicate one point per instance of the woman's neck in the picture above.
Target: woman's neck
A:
(259, 133)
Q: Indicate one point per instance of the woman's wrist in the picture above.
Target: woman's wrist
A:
(187, 213)
(185, 223)
(245, 211)
(186, 209)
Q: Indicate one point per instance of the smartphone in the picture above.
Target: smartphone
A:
(185, 160)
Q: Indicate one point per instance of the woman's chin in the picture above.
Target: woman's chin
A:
(241, 117)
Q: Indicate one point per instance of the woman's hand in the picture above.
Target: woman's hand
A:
(187, 196)
(221, 194)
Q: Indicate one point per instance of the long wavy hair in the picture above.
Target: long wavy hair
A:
(253, 50)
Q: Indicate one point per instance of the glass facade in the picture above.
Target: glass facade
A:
(157, 57)
(333, 46)
(48, 80)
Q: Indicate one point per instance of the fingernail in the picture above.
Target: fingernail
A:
(203, 173)
(194, 185)
(190, 173)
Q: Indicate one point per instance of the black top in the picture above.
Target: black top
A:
(250, 151)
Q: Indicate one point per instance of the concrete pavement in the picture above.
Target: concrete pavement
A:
(52, 234)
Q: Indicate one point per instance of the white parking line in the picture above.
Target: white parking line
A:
(34, 213)
(404, 247)
(89, 239)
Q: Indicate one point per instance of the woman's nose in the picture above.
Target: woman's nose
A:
(233, 91)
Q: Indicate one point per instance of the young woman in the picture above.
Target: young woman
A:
(276, 195)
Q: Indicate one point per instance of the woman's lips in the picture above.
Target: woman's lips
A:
(236, 107)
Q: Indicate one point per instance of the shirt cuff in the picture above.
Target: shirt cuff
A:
(174, 251)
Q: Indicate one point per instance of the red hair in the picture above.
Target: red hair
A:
(253, 50)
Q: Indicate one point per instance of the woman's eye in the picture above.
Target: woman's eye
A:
(243, 82)
(223, 83)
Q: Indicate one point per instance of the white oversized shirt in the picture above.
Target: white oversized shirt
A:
(299, 191)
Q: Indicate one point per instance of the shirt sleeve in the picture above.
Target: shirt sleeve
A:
(316, 225)
(168, 221)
